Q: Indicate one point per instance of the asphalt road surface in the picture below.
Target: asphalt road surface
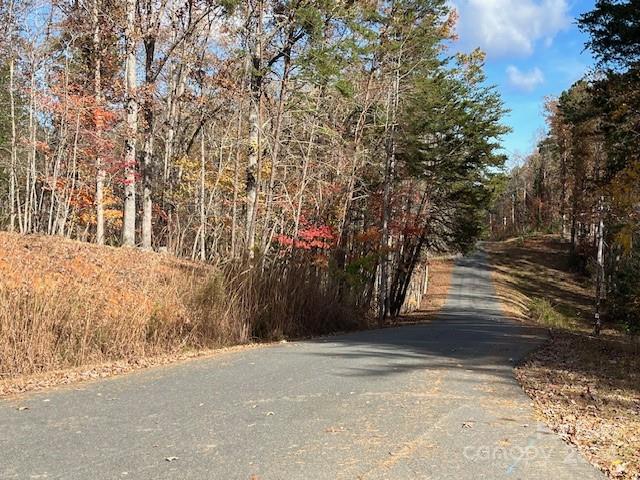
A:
(434, 401)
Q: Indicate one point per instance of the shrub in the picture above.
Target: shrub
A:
(47, 325)
(292, 297)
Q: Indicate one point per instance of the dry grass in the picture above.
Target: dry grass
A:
(587, 389)
(526, 270)
(66, 306)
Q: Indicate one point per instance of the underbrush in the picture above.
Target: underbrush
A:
(122, 312)
(289, 298)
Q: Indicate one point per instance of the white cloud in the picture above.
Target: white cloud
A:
(526, 81)
(510, 27)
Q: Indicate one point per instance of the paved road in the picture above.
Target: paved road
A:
(435, 401)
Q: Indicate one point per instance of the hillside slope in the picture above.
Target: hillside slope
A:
(71, 310)
(65, 303)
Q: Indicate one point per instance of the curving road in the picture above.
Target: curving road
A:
(434, 401)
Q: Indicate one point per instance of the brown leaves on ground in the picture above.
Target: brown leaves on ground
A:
(439, 283)
(440, 270)
(587, 389)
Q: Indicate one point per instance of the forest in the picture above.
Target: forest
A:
(333, 141)
(305, 221)
(583, 180)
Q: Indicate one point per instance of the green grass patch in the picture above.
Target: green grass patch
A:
(544, 312)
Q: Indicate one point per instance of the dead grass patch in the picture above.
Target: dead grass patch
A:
(440, 271)
(526, 269)
(67, 306)
(64, 304)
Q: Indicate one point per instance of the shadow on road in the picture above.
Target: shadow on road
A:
(469, 333)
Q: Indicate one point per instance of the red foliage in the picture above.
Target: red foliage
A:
(310, 237)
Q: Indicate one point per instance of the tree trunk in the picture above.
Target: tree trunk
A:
(389, 172)
(14, 148)
(203, 216)
(255, 121)
(147, 146)
(97, 87)
(305, 168)
(563, 193)
(236, 189)
(513, 212)
(600, 269)
(30, 183)
(129, 221)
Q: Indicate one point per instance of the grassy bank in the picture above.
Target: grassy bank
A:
(66, 305)
(585, 388)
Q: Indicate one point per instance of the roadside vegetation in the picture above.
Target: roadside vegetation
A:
(582, 281)
(66, 304)
(333, 142)
(586, 388)
(71, 311)
(583, 180)
(295, 162)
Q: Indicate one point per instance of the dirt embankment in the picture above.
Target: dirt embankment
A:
(585, 388)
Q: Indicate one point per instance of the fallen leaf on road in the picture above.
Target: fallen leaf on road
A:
(20, 409)
(334, 429)
(171, 459)
(467, 425)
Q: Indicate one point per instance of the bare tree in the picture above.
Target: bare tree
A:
(129, 220)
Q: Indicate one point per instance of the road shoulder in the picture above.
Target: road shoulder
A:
(586, 389)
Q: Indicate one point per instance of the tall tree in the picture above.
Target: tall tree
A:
(130, 162)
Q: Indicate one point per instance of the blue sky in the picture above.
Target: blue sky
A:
(534, 50)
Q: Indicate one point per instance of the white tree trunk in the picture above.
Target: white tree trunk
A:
(254, 132)
(600, 270)
(14, 149)
(147, 201)
(203, 215)
(129, 221)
